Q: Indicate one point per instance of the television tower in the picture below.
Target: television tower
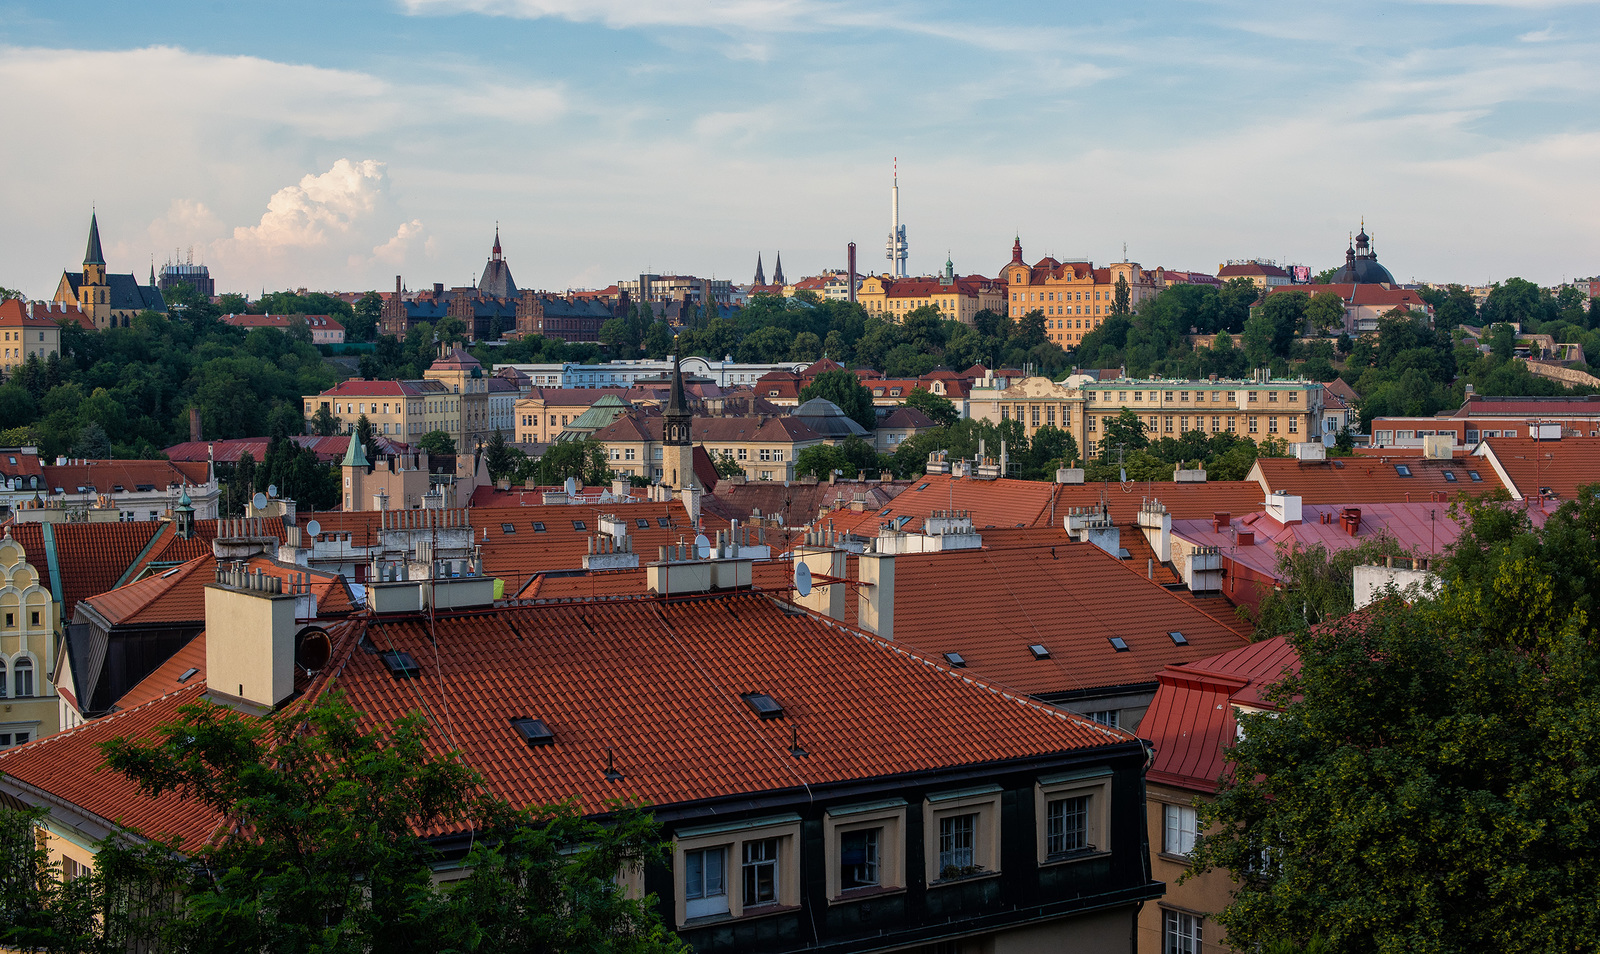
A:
(895, 249)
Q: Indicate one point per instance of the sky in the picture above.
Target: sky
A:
(335, 145)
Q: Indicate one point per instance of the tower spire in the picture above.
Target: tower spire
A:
(92, 255)
(777, 271)
(761, 273)
(496, 250)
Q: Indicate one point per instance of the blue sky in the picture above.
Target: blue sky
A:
(337, 144)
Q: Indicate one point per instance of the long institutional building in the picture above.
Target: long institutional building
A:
(1259, 408)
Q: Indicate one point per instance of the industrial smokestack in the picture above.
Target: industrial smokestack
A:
(851, 256)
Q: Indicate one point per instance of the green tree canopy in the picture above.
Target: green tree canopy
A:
(438, 444)
(941, 409)
(843, 388)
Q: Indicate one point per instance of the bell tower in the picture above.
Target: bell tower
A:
(94, 292)
(677, 457)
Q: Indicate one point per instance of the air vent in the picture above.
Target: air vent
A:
(1119, 644)
(401, 665)
(1039, 652)
(1178, 639)
(955, 659)
(534, 731)
(764, 705)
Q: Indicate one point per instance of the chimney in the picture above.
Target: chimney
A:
(1245, 538)
(1350, 520)
(826, 598)
(1220, 519)
(194, 425)
(250, 631)
(875, 602)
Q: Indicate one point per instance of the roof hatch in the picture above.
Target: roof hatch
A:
(401, 665)
(764, 705)
(534, 731)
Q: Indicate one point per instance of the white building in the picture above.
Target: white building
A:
(623, 374)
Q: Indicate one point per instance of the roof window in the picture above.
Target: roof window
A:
(538, 526)
(1118, 643)
(188, 674)
(955, 659)
(644, 524)
(534, 731)
(763, 704)
(1178, 639)
(1039, 652)
(1450, 476)
(923, 487)
(401, 665)
(579, 525)
(508, 528)
(665, 522)
(1474, 476)
(1339, 464)
(1403, 470)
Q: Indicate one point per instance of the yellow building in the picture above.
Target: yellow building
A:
(956, 296)
(1036, 402)
(1075, 297)
(396, 409)
(467, 393)
(29, 620)
(24, 334)
(110, 301)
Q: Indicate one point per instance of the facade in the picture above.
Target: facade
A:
(765, 448)
(545, 412)
(1076, 297)
(1258, 408)
(1481, 417)
(1036, 402)
(466, 387)
(902, 424)
(680, 288)
(325, 329)
(110, 301)
(960, 297)
(187, 273)
(1262, 274)
(26, 332)
(111, 491)
(725, 373)
(393, 408)
(30, 618)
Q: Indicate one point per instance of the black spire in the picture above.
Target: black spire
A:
(93, 255)
(761, 273)
(777, 271)
(676, 417)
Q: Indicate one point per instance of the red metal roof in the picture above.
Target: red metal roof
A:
(1423, 528)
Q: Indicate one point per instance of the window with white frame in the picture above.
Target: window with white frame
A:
(1110, 717)
(1071, 815)
(22, 677)
(1180, 933)
(737, 868)
(962, 833)
(1179, 830)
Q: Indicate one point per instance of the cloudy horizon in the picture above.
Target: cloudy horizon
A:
(336, 146)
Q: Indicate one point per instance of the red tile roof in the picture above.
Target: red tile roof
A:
(1358, 480)
(178, 594)
(359, 387)
(328, 449)
(990, 605)
(168, 549)
(106, 475)
(1562, 466)
(90, 557)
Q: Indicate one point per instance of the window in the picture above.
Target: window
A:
(1178, 831)
(1253, 425)
(860, 859)
(22, 670)
(761, 872)
(1180, 933)
(1107, 717)
(1066, 825)
(705, 890)
(962, 835)
(33, 618)
(1272, 396)
(1403, 470)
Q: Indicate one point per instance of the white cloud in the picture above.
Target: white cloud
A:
(760, 15)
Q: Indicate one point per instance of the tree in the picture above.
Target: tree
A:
(1324, 313)
(727, 466)
(7, 294)
(323, 423)
(941, 409)
(843, 388)
(1122, 297)
(437, 444)
(354, 874)
(92, 443)
(497, 456)
(1126, 430)
(1430, 780)
(658, 340)
(367, 436)
(1031, 328)
(363, 326)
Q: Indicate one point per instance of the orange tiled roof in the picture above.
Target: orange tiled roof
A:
(169, 549)
(515, 557)
(106, 475)
(168, 677)
(1357, 480)
(990, 605)
(178, 594)
(90, 557)
(1547, 468)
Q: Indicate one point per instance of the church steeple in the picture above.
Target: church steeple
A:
(678, 444)
(777, 271)
(92, 255)
(494, 253)
(1016, 251)
(761, 273)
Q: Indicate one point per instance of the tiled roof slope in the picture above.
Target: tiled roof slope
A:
(1562, 466)
(105, 475)
(1191, 719)
(1191, 500)
(168, 549)
(1365, 480)
(991, 605)
(1425, 528)
(517, 556)
(178, 595)
(654, 686)
(798, 503)
(90, 557)
(168, 677)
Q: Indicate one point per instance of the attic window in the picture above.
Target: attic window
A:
(1039, 652)
(188, 674)
(579, 525)
(764, 705)
(1178, 639)
(1122, 552)
(1402, 470)
(644, 524)
(665, 522)
(1339, 464)
(508, 528)
(923, 487)
(142, 488)
(1449, 476)
(401, 665)
(1474, 476)
(902, 520)
(534, 731)
(1119, 644)
(538, 526)
(955, 659)
(885, 511)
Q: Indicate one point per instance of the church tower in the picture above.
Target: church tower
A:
(761, 273)
(777, 271)
(677, 458)
(94, 292)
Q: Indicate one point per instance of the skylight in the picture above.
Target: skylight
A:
(579, 525)
(1039, 652)
(188, 674)
(1402, 470)
(538, 526)
(923, 487)
(664, 522)
(508, 528)
(401, 665)
(954, 659)
(1119, 644)
(1178, 639)
(644, 524)
(1339, 464)
(1450, 476)
(534, 731)
(1474, 475)
(764, 705)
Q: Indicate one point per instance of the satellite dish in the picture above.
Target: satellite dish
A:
(702, 546)
(259, 501)
(272, 490)
(802, 579)
(314, 528)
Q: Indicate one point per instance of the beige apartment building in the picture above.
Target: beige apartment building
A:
(25, 333)
(1259, 408)
(956, 296)
(766, 449)
(1076, 297)
(29, 620)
